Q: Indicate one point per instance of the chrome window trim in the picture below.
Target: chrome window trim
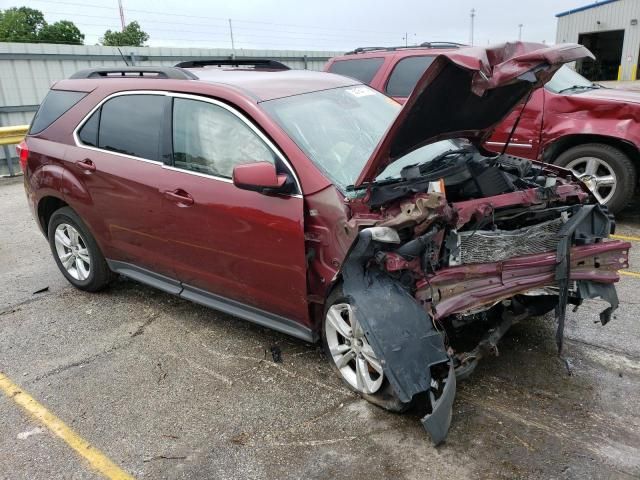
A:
(199, 98)
(511, 144)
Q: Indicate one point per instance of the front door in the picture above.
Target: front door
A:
(233, 243)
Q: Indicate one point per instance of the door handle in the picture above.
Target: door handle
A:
(179, 196)
(86, 164)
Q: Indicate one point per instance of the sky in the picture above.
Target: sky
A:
(336, 25)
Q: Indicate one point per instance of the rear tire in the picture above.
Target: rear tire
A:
(76, 252)
(593, 161)
(382, 394)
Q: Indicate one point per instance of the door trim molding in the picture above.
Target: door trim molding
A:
(216, 302)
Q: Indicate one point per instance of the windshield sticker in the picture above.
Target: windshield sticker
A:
(360, 91)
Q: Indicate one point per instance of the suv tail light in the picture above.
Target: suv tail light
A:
(23, 155)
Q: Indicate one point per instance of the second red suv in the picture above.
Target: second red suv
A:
(312, 204)
(572, 122)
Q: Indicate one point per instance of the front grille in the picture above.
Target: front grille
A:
(485, 246)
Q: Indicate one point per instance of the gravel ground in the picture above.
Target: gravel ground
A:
(168, 389)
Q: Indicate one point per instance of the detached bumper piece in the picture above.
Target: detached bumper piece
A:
(588, 224)
(437, 423)
(401, 334)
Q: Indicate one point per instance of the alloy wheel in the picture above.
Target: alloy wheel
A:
(350, 350)
(72, 251)
(597, 175)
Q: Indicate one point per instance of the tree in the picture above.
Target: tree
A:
(131, 36)
(63, 31)
(28, 25)
(21, 24)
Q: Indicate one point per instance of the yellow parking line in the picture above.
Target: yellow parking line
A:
(630, 274)
(626, 237)
(97, 460)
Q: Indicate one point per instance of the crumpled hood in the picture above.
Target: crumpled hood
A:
(465, 94)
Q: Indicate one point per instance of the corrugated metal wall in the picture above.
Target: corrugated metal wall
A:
(612, 16)
(28, 70)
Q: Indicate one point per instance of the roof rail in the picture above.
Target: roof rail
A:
(135, 72)
(256, 63)
(409, 47)
(442, 45)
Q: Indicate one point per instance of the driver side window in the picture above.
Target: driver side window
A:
(209, 139)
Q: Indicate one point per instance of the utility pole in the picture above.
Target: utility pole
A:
(121, 14)
(233, 45)
(520, 31)
(473, 16)
(406, 38)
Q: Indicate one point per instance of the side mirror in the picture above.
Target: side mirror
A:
(261, 177)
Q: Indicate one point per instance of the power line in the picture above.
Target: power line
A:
(170, 14)
(240, 29)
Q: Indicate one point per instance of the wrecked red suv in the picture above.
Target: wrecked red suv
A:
(314, 205)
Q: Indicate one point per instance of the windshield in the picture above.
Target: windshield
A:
(338, 130)
(566, 80)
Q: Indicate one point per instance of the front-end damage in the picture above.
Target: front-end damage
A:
(436, 279)
(439, 260)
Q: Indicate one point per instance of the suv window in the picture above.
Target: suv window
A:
(131, 124)
(88, 134)
(406, 74)
(363, 69)
(209, 139)
(53, 106)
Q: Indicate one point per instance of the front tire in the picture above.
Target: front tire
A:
(608, 172)
(76, 252)
(351, 356)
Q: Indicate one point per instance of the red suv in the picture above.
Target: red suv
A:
(313, 204)
(572, 122)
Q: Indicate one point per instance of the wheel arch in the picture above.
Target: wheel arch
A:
(557, 147)
(46, 207)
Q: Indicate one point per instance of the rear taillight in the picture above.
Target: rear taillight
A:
(23, 155)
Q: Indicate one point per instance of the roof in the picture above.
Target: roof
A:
(586, 7)
(269, 85)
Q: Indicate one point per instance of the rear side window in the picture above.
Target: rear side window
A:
(53, 106)
(131, 124)
(406, 74)
(363, 69)
(89, 132)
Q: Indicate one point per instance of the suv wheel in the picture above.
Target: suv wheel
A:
(607, 172)
(351, 356)
(76, 251)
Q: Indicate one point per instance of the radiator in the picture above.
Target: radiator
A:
(485, 246)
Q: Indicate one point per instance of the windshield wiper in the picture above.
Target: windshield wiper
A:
(579, 87)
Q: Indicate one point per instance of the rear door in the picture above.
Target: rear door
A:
(112, 178)
(227, 242)
(525, 141)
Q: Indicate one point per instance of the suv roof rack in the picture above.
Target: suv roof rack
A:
(256, 63)
(135, 72)
(402, 47)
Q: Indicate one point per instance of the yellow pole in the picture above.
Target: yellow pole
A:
(619, 72)
(634, 72)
